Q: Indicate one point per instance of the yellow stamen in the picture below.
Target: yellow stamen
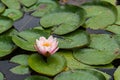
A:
(47, 44)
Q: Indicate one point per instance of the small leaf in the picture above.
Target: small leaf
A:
(13, 14)
(28, 3)
(14, 4)
(114, 29)
(1, 76)
(21, 59)
(2, 7)
(5, 24)
(21, 70)
(117, 74)
(36, 77)
(6, 45)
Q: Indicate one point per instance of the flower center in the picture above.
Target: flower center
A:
(46, 44)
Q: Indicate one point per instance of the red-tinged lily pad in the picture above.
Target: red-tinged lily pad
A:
(37, 77)
(50, 67)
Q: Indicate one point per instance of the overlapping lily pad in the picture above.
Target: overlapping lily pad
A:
(114, 29)
(13, 14)
(2, 7)
(64, 22)
(104, 42)
(5, 24)
(28, 3)
(82, 74)
(117, 74)
(14, 4)
(37, 77)
(6, 45)
(97, 14)
(49, 66)
(26, 39)
(44, 8)
(94, 57)
(76, 39)
(1, 76)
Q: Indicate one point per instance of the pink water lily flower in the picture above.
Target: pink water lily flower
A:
(45, 46)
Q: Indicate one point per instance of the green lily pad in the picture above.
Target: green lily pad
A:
(111, 1)
(114, 29)
(94, 57)
(21, 70)
(44, 8)
(52, 66)
(27, 39)
(117, 74)
(72, 63)
(14, 4)
(13, 14)
(36, 77)
(104, 42)
(2, 7)
(5, 24)
(6, 45)
(118, 18)
(28, 3)
(21, 59)
(84, 74)
(1, 76)
(75, 39)
(63, 22)
(97, 13)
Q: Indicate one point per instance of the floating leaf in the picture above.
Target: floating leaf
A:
(21, 59)
(27, 39)
(36, 77)
(13, 14)
(28, 3)
(14, 4)
(97, 14)
(118, 18)
(2, 7)
(1, 76)
(6, 45)
(94, 57)
(53, 65)
(82, 74)
(104, 42)
(114, 29)
(5, 24)
(117, 74)
(72, 63)
(44, 8)
(64, 22)
(111, 1)
(21, 70)
(74, 40)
